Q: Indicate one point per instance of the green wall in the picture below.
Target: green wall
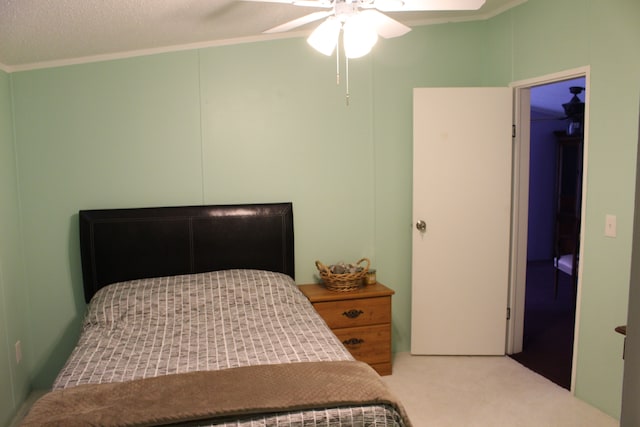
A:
(265, 122)
(226, 125)
(550, 36)
(14, 384)
(616, 77)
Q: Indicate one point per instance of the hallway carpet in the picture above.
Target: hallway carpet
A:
(548, 324)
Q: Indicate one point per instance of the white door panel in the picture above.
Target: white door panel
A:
(462, 191)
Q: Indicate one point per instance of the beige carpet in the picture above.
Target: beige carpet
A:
(439, 391)
(464, 391)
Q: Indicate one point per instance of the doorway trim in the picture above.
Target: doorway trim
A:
(520, 206)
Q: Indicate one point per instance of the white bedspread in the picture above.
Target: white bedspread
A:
(209, 321)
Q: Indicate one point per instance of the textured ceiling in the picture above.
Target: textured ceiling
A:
(42, 33)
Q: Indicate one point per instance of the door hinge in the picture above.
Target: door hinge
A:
(508, 313)
(513, 131)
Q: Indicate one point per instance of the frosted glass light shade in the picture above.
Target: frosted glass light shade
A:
(325, 38)
(359, 36)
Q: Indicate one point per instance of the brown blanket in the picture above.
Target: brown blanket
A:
(214, 395)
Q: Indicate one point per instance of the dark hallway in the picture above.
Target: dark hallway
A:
(554, 221)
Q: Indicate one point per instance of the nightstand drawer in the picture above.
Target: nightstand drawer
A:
(370, 344)
(356, 312)
(361, 320)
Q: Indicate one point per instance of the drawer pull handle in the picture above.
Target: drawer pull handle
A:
(352, 314)
(353, 341)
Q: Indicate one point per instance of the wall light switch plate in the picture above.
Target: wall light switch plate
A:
(610, 225)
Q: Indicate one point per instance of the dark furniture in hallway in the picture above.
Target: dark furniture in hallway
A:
(568, 207)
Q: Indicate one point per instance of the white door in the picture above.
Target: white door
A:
(462, 193)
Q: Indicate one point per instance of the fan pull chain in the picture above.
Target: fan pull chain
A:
(346, 60)
(338, 64)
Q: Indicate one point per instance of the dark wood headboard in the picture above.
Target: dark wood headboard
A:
(126, 244)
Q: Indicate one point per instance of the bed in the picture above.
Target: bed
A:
(194, 318)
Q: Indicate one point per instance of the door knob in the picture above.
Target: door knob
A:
(422, 226)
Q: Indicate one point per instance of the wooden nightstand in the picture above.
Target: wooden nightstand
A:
(361, 319)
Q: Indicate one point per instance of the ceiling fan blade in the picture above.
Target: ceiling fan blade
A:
(426, 5)
(305, 3)
(271, 1)
(299, 22)
(385, 27)
(313, 3)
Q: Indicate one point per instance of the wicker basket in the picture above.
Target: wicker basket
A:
(343, 282)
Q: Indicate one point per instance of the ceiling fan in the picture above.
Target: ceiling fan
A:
(361, 21)
(574, 109)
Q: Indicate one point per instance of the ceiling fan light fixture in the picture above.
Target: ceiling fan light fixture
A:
(574, 109)
(359, 36)
(325, 38)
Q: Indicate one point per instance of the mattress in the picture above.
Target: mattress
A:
(210, 321)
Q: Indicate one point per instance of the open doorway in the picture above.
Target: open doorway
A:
(553, 228)
(520, 206)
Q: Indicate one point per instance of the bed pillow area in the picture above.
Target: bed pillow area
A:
(152, 299)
